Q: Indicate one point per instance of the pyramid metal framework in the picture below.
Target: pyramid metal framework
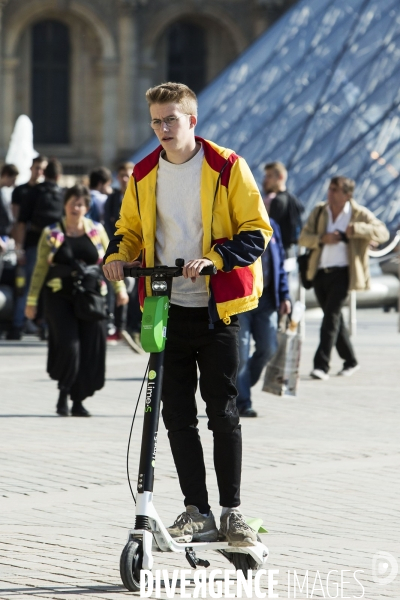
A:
(319, 91)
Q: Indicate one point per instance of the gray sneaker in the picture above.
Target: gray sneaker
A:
(191, 526)
(234, 529)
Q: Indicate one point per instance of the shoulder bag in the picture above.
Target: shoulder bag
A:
(304, 259)
(89, 304)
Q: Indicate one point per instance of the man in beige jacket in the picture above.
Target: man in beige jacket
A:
(338, 232)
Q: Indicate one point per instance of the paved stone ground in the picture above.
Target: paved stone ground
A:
(321, 470)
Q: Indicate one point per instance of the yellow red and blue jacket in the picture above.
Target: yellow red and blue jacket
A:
(235, 225)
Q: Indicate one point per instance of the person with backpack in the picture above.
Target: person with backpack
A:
(284, 208)
(22, 192)
(37, 210)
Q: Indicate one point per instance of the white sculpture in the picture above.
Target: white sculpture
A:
(21, 151)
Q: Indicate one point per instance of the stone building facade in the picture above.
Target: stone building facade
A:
(80, 68)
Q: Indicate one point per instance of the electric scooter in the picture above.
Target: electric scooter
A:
(149, 532)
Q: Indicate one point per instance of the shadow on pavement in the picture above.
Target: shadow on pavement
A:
(33, 591)
(93, 416)
(22, 344)
(84, 589)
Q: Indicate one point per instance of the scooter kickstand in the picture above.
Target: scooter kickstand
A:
(193, 560)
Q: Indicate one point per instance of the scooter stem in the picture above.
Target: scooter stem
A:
(150, 423)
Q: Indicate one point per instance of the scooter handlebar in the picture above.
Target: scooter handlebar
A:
(163, 271)
(211, 270)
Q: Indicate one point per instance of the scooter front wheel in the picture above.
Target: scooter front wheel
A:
(130, 565)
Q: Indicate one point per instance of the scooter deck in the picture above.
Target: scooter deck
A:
(258, 551)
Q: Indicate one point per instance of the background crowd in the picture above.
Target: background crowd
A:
(336, 234)
(34, 206)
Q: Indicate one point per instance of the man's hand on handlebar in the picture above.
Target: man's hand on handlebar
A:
(114, 270)
(193, 267)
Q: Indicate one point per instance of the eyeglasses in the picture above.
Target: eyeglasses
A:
(170, 122)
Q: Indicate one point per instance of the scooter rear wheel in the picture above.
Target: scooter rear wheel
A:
(242, 562)
(130, 565)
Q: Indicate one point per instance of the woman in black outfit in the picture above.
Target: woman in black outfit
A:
(76, 347)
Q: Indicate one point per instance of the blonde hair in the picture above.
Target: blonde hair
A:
(278, 167)
(178, 93)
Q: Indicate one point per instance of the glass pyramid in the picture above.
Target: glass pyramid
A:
(319, 91)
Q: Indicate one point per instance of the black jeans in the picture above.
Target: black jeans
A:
(191, 344)
(331, 291)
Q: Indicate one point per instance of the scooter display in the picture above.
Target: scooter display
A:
(149, 533)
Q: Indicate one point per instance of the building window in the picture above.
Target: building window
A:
(187, 58)
(50, 82)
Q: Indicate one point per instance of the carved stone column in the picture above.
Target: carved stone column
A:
(108, 71)
(138, 71)
(3, 148)
(8, 74)
(2, 4)
(127, 78)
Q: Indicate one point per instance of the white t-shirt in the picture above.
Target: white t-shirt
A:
(336, 255)
(179, 225)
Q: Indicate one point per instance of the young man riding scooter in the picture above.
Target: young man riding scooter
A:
(191, 198)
